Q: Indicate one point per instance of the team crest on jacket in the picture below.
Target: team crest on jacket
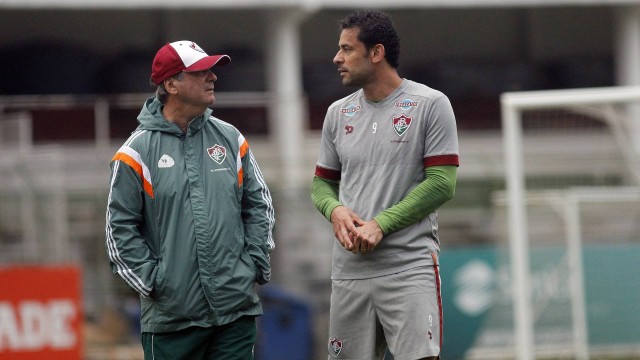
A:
(217, 153)
(335, 346)
(401, 124)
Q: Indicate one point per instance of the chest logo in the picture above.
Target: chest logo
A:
(350, 110)
(217, 153)
(406, 104)
(166, 161)
(401, 124)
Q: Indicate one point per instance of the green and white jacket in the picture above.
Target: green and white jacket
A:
(189, 221)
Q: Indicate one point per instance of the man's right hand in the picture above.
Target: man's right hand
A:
(345, 222)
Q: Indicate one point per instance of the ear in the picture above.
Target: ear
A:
(170, 85)
(377, 53)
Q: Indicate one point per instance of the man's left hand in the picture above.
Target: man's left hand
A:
(367, 238)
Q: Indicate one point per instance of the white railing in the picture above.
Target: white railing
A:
(102, 104)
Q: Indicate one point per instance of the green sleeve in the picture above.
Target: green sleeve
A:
(437, 188)
(324, 195)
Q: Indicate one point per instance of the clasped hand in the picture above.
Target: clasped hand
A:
(353, 233)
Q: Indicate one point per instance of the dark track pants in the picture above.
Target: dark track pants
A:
(233, 341)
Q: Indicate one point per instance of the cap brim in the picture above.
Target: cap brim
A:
(208, 62)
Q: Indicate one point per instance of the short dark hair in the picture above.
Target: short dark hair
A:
(376, 27)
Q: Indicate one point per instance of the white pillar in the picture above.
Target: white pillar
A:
(101, 121)
(627, 61)
(288, 109)
(627, 42)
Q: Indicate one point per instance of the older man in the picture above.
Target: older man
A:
(189, 217)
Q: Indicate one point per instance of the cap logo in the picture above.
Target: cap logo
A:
(196, 47)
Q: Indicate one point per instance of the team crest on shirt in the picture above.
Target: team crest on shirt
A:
(335, 346)
(401, 124)
(217, 153)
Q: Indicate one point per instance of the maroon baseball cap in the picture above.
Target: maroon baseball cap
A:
(182, 56)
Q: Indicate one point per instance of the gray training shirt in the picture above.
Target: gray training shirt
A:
(378, 152)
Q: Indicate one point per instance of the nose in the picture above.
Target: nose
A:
(338, 58)
(211, 76)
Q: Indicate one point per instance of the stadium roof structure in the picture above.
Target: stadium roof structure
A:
(305, 4)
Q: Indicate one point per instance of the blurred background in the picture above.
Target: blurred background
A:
(74, 75)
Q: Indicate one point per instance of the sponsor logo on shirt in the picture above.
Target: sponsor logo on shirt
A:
(406, 104)
(217, 153)
(350, 110)
(401, 124)
(348, 129)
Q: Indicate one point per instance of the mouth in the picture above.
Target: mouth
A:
(341, 71)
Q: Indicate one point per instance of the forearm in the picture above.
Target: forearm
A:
(258, 216)
(325, 195)
(437, 188)
(129, 254)
(258, 236)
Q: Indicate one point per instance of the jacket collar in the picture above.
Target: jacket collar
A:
(150, 118)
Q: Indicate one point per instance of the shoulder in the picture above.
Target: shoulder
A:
(138, 139)
(222, 131)
(135, 148)
(421, 90)
(223, 127)
(346, 101)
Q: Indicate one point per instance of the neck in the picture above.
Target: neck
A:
(180, 115)
(382, 86)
